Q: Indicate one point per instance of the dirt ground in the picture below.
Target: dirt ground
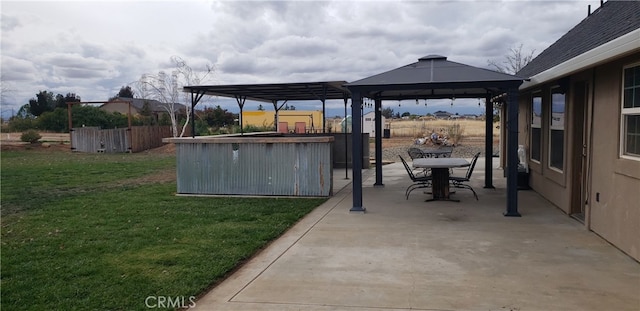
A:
(404, 141)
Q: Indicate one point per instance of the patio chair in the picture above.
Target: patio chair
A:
(419, 180)
(415, 152)
(447, 150)
(461, 182)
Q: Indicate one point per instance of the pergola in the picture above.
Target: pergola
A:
(434, 77)
(276, 93)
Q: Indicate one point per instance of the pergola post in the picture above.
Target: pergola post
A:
(488, 164)
(356, 151)
(275, 116)
(241, 100)
(378, 142)
(194, 101)
(324, 113)
(512, 153)
(193, 122)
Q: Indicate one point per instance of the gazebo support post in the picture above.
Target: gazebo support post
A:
(378, 142)
(512, 153)
(356, 151)
(488, 148)
(346, 144)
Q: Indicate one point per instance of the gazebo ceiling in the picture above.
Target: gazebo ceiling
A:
(434, 76)
(276, 91)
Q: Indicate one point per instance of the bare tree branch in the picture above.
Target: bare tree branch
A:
(167, 89)
(513, 61)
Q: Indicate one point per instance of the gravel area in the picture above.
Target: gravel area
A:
(460, 151)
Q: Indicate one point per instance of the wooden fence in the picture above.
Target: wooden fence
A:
(136, 139)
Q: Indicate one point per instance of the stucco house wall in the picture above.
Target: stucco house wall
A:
(615, 182)
(118, 107)
(596, 64)
(607, 184)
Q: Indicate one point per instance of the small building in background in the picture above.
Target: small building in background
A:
(442, 114)
(121, 105)
(369, 123)
(289, 121)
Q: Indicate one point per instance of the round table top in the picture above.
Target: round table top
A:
(439, 162)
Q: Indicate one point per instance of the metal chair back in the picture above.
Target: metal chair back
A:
(472, 165)
(415, 153)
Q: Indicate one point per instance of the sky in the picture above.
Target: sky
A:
(93, 48)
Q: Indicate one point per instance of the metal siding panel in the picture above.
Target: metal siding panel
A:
(282, 169)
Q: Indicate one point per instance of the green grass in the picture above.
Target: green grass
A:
(90, 232)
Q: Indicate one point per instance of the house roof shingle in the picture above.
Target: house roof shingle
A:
(612, 20)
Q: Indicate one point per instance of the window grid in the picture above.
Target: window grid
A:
(536, 127)
(630, 129)
(556, 129)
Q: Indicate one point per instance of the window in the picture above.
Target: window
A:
(536, 123)
(556, 129)
(630, 135)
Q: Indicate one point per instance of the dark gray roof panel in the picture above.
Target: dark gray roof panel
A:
(434, 76)
(277, 91)
(612, 20)
(434, 69)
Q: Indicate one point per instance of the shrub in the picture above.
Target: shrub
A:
(455, 132)
(30, 136)
(19, 124)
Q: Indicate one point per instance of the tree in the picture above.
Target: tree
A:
(61, 101)
(5, 90)
(167, 89)
(405, 114)
(125, 92)
(387, 112)
(260, 108)
(57, 120)
(146, 114)
(43, 102)
(217, 117)
(513, 61)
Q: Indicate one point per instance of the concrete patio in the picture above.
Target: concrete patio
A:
(410, 254)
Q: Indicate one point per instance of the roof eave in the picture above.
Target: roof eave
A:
(615, 48)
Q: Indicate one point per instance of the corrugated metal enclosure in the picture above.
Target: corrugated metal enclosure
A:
(134, 139)
(255, 165)
(93, 139)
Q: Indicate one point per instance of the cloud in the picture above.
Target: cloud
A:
(93, 48)
(9, 22)
(17, 70)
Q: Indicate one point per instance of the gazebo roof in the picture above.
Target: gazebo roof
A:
(434, 76)
(276, 91)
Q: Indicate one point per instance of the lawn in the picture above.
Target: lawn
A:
(106, 231)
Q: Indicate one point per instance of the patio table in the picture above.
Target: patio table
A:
(436, 152)
(440, 172)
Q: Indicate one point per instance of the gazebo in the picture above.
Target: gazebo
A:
(434, 77)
